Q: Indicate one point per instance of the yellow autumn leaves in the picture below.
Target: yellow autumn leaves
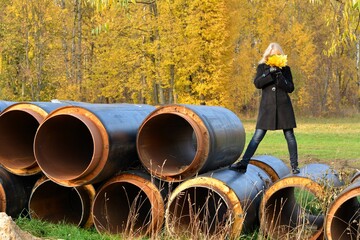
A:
(277, 61)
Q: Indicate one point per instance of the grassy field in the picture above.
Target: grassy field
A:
(334, 141)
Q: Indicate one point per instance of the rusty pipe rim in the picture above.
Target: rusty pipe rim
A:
(274, 167)
(267, 168)
(344, 214)
(83, 150)
(218, 188)
(112, 215)
(55, 203)
(356, 177)
(288, 208)
(2, 199)
(19, 123)
(161, 130)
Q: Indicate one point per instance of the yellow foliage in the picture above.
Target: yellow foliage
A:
(178, 51)
(278, 60)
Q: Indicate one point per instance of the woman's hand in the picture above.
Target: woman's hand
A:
(274, 69)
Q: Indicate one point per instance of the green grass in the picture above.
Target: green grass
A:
(334, 141)
(51, 231)
(308, 201)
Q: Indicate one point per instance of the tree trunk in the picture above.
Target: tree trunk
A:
(79, 43)
(65, 44)
(358, 70)
(26, 69)
(172, 82)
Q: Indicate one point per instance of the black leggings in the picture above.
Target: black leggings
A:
(259, 135)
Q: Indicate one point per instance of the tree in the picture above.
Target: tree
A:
(26, 46)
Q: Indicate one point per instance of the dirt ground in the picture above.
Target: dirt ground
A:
(345, 167)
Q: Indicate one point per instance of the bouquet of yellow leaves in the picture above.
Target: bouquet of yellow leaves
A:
(277, 61)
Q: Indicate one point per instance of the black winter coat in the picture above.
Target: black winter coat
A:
(276, 111)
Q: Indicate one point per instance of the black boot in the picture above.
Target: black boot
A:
(295, 169)
(239, 166)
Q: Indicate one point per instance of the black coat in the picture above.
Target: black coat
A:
(276, 111)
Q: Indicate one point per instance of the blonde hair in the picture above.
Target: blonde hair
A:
(273, 48)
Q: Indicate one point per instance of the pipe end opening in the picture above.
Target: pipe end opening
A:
(291, 211)
(167, 144)
(123, 208)
(199, 210)
(18, 129)
(54, 203)
(64, 147)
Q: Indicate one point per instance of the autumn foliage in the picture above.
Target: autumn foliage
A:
(179, 51)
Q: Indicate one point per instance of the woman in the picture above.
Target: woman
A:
(276, 111)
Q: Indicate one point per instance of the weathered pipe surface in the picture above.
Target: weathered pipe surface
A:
(15, 192)
(54, 203)
(221, 203)
(78, 145)
(5, 104)
(282, 209)
(175, 142)
(18, 125)
(273, 166)
(342, 220)
(131, 203)
(356, 176)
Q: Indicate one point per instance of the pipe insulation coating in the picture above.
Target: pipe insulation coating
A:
(222, 202)
(5, 104)
(210, 204)
(356, 176)
(18, 125)
(78, 145)
(342, 220)
(176, 142)
(54, 203)
(15, 192)
(273, 166)
(283, 212)
(131, 203)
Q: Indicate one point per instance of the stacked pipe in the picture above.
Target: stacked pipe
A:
(18, 125)
(222, 202)
(282, 215)
(55, 203)
(100, 135)
(19, 170)
(176, 142)
(131, 203)
(118, 163)
(14, 193)
(5, 104)
(342, 220)
(77, 145)
(87, 144)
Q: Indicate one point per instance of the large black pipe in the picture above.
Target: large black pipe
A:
(14, 192)
(176, 142)
(131, 203)
(275, 167)
(5, 104)
(78, 145)
(18, 125)
(342, 219)
(55, 203)
(222, 203)
(283, 212)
